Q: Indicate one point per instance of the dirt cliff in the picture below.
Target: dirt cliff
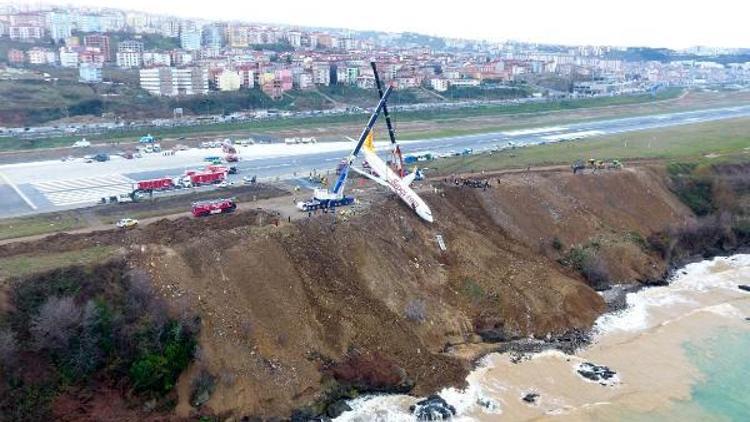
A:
(305, 312)
(373, 303)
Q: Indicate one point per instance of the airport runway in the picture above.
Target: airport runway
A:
(46, 186)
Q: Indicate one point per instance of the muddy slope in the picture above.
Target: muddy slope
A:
(296, 314)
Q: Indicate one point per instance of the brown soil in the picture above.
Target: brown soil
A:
(292, 314)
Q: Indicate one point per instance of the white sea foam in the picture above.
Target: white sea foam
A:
(474, 398)
(718, 273)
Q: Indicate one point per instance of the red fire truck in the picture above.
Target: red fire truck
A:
(215, 206)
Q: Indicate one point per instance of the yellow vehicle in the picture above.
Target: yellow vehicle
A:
(127, 223)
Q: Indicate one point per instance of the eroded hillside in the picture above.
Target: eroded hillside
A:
(301, 314)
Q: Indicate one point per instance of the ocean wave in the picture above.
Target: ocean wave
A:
(718, 273)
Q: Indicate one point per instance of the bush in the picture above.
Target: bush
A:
(416, 310)
(8, 348)
(557, 244)
(58, 320)
(594, 268)
(156, 371)
(202, 387)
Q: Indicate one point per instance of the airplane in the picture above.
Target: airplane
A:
(385, 176)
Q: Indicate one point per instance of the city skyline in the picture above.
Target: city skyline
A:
(577, 22)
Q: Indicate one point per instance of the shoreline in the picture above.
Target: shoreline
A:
(514, 357)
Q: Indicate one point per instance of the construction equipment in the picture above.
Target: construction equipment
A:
(325, 198)
(398, 159)
(615, 164)
(230, 151)
(215, 206)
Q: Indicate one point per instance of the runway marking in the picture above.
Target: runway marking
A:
(18, 191)
(84, 190)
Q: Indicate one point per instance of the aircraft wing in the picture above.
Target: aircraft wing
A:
(409, 178)
(370, 176)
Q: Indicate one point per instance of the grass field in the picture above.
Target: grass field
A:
(713, 141)
(312, 123)
(18, 266)
(40, 224)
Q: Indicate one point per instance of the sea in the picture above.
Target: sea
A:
(680, 352)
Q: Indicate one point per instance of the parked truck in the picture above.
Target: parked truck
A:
(163, 183)
(206, 178)
(215, 206)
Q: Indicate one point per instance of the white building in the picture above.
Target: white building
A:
(129, 59)
(68, 57)
(321, 74)
(90, 72)
(303, 81)
(24, 33)
(172, 81)
(156, 59)
(228, 81)
(439, 84)
(38, 56)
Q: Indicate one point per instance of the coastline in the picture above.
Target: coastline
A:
(653, 369)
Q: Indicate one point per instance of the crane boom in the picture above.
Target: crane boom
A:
(366, 131)
(391, 132)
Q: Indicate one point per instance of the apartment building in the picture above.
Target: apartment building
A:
(173, 81)
(228, 80)
(90, 72)
(190, 39)
(39, 56)
(26, 33)
(68, 57)
(16, 56)
(129, 54)
(100, 42)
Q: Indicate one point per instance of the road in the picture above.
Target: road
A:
(45, 186)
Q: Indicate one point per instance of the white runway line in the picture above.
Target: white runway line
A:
(18, 191)
(84, 190)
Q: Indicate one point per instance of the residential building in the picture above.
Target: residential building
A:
(27, 19)
(38, 56)
(3, 28)
(190, 39)
(89, 23)
(90, 55)
(130, 45)
(26, 33)
(172, 81)
(129, 59)
(68, 57)
(170, 28)
(213, 36)
(439, 84)
(181, 58)
(129, 54)
(60, 25)
(228, 81)
(16, 56)
(295, 39)
(303, 81)
(100, 42)
(156, 59)
(247, 76)
(90, 72)
(237, 36)
(321, 73)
